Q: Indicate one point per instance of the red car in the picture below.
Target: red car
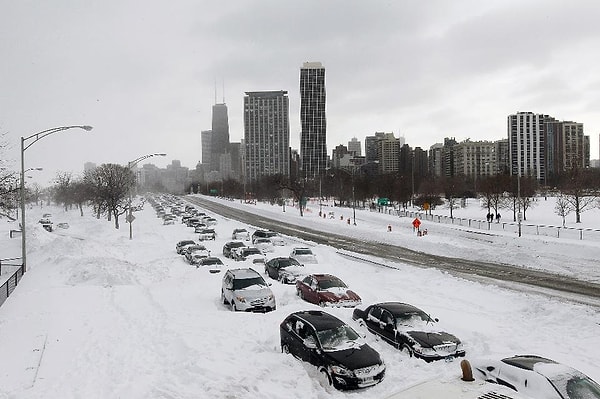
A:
(326, 290)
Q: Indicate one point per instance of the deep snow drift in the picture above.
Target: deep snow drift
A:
(100, 316)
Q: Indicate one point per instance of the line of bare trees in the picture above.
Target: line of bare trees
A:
(106, 188)
(577, 190)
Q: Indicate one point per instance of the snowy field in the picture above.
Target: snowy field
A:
(100, 316)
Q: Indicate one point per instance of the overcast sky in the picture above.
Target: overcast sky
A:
(143, 73)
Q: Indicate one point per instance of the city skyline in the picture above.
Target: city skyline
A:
(144, 77)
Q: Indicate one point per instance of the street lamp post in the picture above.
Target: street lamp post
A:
(130, 165)
(34, 139)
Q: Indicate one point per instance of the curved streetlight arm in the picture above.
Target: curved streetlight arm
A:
(131, 164)
(44, 133)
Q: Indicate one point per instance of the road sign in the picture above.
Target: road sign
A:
(130, 218)
(416, 223)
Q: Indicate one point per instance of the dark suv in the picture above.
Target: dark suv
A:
(331, 345)
(271, 235)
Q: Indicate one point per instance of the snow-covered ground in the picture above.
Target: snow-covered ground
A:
(100, 316)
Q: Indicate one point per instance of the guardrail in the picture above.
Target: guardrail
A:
(513, 227)
(11, 282)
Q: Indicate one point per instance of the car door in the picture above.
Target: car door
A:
(387, 327)
(312, 290)
(272, 268)
(373, 320)
(295, 342)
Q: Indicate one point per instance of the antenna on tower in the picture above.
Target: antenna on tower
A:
(215, 90)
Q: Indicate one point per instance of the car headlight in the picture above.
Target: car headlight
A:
(340, 370)
(241, 299)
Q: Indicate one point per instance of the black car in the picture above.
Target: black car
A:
(230, 245)
(181, 244)
(409, 329)
(284, 269)
(333, 347)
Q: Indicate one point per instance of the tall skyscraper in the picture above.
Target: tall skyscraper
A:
(313, 145)
(220, 134)
(266, 134)
(206, 144)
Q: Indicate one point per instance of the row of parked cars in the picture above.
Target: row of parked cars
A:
(347, 361)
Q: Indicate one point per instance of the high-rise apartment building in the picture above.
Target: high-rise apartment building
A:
(355, 147)
(266, 134)
(475, 159)
(371, 146)
(527, 143)
(567, 147)
(388, 153)
(313, 146)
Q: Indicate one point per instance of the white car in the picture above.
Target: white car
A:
(537, 377)
(245, 289)
(275, 238)
(264, 244)
(251, 254)
(240, 234)
(303, 255)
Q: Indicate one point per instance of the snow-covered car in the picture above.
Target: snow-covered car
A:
(213, 264)
(240, 234)
(251, 254)
(333, 347)
(207, 234)
(230, 246)
(245, 289)
(537, 377)
(264, 244)
(199, 227)
(457, 387)
(286, 270)
(326, 290)
(272, 235)
(409, 329)
(182, 245)
(303, 255)
(197, 251)
(196, 257)
(209, 221)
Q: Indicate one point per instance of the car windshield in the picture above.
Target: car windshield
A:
(212, 261)
(239, 284)
(240, 231)
(237, 244)
(252, 251)
(287, 262)
(577, 386)
(339, 338)
(413, 319)
(270, 234)
(331, 283)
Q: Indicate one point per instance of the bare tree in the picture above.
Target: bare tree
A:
(579, 188)
(563, 207)
(9, 187)
(454, 188)
(110, 185)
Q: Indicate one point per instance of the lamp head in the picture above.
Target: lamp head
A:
(87, 127)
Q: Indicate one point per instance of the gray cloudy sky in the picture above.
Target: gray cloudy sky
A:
(143, 72)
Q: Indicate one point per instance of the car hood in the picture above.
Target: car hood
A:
(431, 339)
(306, 258)
(339, 293)
(254, 292)
(295, 271)
(355, 358)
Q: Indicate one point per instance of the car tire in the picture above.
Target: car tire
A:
(405, 349)
(223, 299)
(322, 304)
(300, 294)
(285, 349)
(233, 307)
